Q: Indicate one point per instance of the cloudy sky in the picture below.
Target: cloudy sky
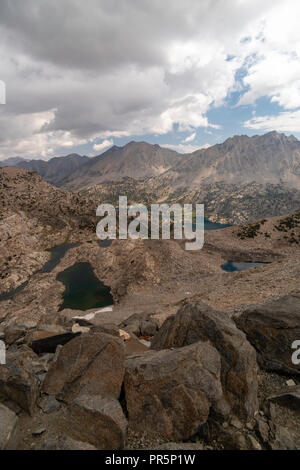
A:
(83, 75)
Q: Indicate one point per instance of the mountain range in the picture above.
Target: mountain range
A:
(136, 160)
(13, 161)
(53, 171)
(57, 169)
(272, 158)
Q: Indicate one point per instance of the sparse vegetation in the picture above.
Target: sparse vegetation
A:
(250, 230)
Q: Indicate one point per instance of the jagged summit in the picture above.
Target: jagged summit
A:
(270, 158)
(136, 160)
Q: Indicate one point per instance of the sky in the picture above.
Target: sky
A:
(82, 76)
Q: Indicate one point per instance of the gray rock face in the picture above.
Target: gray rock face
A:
(272, 328)
(198, 322)
(8, 421)
(171, 392)
(90, 364)
(99, 421)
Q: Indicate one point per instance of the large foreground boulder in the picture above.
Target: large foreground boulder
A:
(196, 322)
(99, 421)
(272, 328)
(8, 421)
(18, 380)
(90, 364)
(170, 393)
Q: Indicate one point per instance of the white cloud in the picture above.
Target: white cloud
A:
(288, 121)
(273, 65)
(21, 136)
(185, 148)
(104, 145)
(277, 76)
(190, 138)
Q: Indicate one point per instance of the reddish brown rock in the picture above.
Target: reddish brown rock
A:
(198, 322)
(170, 393)
(8, 421)
(18, 380)
(99, 421)
(272, 328)
(134, 346)
(90, 364)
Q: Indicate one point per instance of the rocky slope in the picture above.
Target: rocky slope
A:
(35, 216)
(224, 203)
(237, 204)
(26, 191)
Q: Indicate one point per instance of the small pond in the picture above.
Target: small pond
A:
(208, 225)
(232, 266)
(83, 290)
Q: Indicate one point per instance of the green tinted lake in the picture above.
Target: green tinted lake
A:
(83, 289)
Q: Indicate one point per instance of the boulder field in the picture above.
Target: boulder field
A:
(200, 381)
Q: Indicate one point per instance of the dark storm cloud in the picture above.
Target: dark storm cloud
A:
(96, 34)
(76, 70)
